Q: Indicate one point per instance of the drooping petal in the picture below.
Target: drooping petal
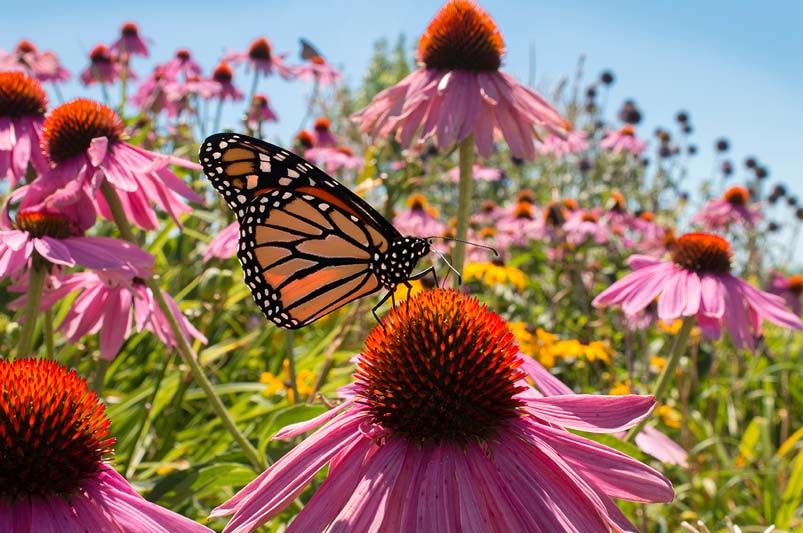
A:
(592, 413)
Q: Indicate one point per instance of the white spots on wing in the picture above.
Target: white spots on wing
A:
(280, 157)
(264, 166)
(251, 181)
(308, 197)
(285, 181)
(222, 145)
(286, 195)
(241, 198)
(216, 155)
(323, 206)
(292, 173)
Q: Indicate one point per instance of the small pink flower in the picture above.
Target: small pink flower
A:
(555, 145)
(182, 64)
(323, 133)
(130, 43)
(224, 245)
(224, 76)
(56, 461)
(44, 66)
(623, 140)
(260, 111)
(789, 288)
(460, 91)
(318, 70)
(261, 59)
(150, 96)
(733, 208)
(334, 159)
(83, 140)
(479, 173)
(520, 225)
(104, 67)
(419, 219)
(584, 225)
(697, 282)
(23, 103)
(438, 432)
(179, 94)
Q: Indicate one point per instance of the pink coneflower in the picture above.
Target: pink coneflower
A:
(44, 66)
(789, 288)
(150, 96)
(334, 159)
(57, 238)
(130, 43)
(111, 305)
(419, 219)
(623, 140)
(55, 471)
(479, 173)
(260, 58)
(182, 64)
(23, 103)
(520, 225)
(104, 67)
(260, 111)
(439, 433)
(178, 93)
(734, 207)
(224, 77)
(83, 140)
(323, 133)
(318, 70)
(303, 141)
(698, 282)
(650, 440)
(575, 141)
(459, 90)
(224, 245)
(585, 225)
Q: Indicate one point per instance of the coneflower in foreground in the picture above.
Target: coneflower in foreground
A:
(440, 433)
(54, 451)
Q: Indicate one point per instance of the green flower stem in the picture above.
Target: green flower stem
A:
(188, 356)
(99, 377)
(47, 327)
(291, 364)
(466, 164)
(665, 379)
(30, 313)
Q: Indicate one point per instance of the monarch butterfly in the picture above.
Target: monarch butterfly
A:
(307, 50)
(308, 245)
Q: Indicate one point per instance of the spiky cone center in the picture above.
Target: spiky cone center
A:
(555, 214)
(305, 139)
(796, 284)
(617, 203)
(322, 124)
(21, 96)
(702, 252)
(590, 217)
(737, 196)
(345, 150)
(628, 131)
(70, 128)
(417, 202)
(100, 55)
(54, 432)
(260, 50)
(488, 206)
(45, 224)
(25, 47)
(223, 73)
(440, 368)
(183, 54)
(461, 36)
(129, 29)
(526, 196)
(524, 211)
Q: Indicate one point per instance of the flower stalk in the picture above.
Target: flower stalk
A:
(188, 355)
(36, 282)
(466, 163)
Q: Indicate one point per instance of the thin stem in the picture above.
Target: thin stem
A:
(312, 98)
(99, 377)
(47, 327)
(466, 164)
(665, 379)
(291, 364)
(218, 114)
(253, 92)
(188, 356)
(30, 313)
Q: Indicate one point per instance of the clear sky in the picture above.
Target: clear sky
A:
(736, 66)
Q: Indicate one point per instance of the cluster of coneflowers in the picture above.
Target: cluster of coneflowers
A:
(447, 425)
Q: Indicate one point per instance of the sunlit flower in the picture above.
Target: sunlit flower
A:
(260, 111)
(494, 273)
(322, 130)
(479, 173)
(536, 342)
(224, 245)
(733, 208)
(182, 64)
(519, 225)
(593, 351)
(84, 142)
(261, 58)
(439, 412)
(55, 470)
(333, 159)
(317, 70)
(303, 141)
(305, 382)
(789, 288)
(44, 66)
(420, 219)
(23, 103)
(698, 282)
(575, 141)
(150, 96)
(460, 90)
(623, 140)
(621, 387)
(104, 67)
(585, 225)
(657, 363)
(224, 77)
(669, 416)
(130, 43)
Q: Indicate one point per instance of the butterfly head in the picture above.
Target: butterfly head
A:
(396, 265)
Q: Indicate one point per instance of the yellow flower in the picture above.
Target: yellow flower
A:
(669, 416)
(593, 351)
(672, 328)
(272, 383)
(620, 388)
(400, 294)
(305, 382)
(535, 342)
(657, 363)
(493, 274)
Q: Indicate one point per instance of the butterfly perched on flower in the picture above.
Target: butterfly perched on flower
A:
(308, 245)
(308, 51)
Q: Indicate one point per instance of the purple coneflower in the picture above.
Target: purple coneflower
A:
(317, 70)
(555, 145)
(438, 432)
(733, 208)
(55, 471)
(419, 219)
(23, 103)
(789, 288)
(334, 158)
(182, 64)
(479, 173)
(104, 67)
(224, 77)
(130, 43)
(623, 140)
(697, 282)
(584, 225)
(323, 133)
(261, 58)
(260, 111)
(44, 66)
(224, 245)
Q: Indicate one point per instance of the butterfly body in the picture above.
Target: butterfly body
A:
(308, 245)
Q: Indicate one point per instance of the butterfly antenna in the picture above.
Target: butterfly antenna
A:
(490, 248)
(456, 273)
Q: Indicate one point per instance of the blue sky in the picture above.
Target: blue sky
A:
(735, 66)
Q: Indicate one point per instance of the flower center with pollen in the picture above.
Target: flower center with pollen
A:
(70, 128)
(21, 95)
(796, 284)
(223, 73)
(42, 224)
(440, 367)
(461, 36)
(260, 50)
(737, 196)
(100, 55)
(702, 252)
(54, 432)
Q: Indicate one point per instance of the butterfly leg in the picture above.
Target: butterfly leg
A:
(424, 273)
(384, 299)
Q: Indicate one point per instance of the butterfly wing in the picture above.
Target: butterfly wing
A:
(307, 50)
